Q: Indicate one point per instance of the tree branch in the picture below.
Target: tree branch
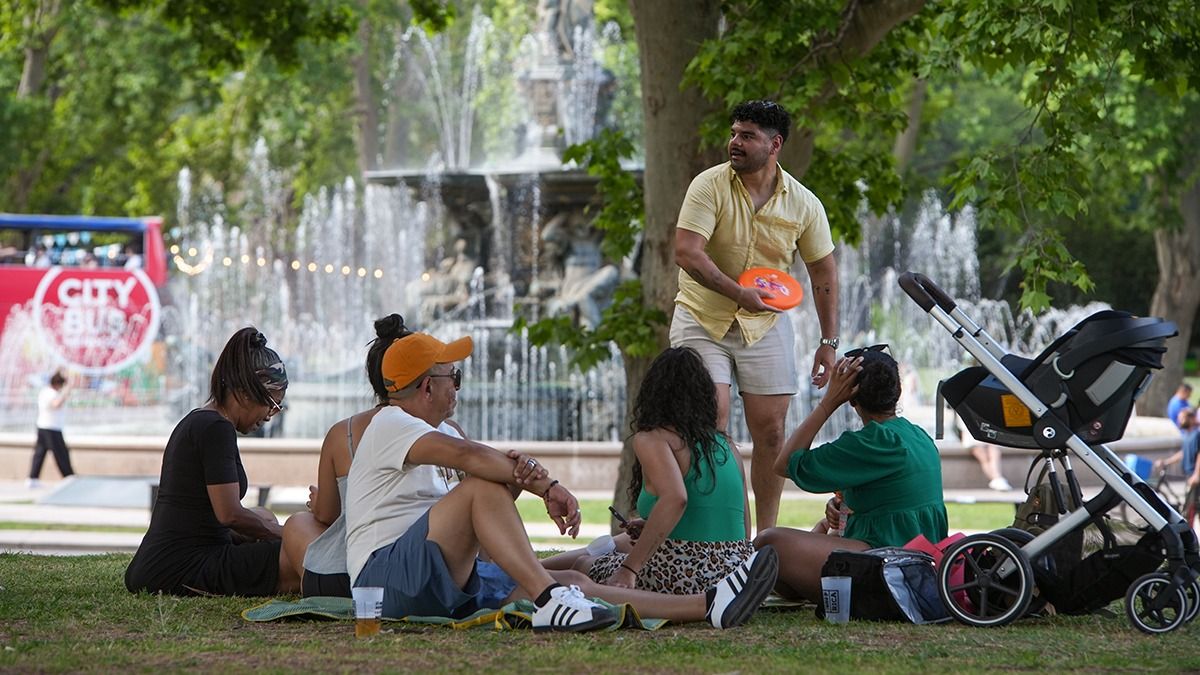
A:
(42, 25)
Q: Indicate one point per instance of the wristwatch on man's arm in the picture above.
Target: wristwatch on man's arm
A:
(831, 342)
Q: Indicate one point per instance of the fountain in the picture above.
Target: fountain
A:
(490, 227)
(457, 250)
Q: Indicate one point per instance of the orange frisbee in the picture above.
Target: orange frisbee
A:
(787, 290)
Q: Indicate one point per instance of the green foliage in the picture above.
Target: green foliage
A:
(132, 98)
(616, 11)
(500, 102)
(628, 322)
(619, 59)
(1090, 77)
(94, 137)
(853, 106)
(1045, 259)
(434, 16)
(227, 30)
(620, 216)
(1074, 109)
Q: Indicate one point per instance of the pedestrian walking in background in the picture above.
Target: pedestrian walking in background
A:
(52, 414)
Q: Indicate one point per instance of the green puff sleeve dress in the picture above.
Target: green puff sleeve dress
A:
(890, 475)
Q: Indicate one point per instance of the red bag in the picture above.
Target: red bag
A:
(938, 551)
(920, 543)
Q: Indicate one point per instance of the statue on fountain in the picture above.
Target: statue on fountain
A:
(558, 20)
(445, 288)
(577, 282)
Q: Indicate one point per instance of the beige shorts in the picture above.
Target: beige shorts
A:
(768, 367)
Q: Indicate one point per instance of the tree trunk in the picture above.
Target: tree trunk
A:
(669, 33)
(365, 111)
(1176, 297)
(906, 142)
(41, 26)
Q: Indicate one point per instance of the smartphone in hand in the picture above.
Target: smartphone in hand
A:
(620, 518)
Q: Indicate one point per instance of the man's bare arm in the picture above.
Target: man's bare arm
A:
(692, 258)
(824, 278)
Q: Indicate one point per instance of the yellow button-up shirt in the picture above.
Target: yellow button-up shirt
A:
(719, 207)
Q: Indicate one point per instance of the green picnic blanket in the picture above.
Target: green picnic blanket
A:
(514, 615)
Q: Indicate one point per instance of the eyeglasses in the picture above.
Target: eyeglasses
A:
(276, 406)
(855, 353)
(455, 374)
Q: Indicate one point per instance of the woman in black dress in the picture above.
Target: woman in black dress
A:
(201, 539)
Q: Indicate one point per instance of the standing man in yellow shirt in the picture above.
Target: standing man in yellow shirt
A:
(749, 212)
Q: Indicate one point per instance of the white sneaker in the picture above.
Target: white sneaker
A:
(33, 483)
(999, 484)
(737, 597)
(569, 611)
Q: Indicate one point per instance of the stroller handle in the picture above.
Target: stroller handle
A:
(925, 293)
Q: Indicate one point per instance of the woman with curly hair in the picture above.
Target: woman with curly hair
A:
(687, 482)
(201, 540)
(889, 473)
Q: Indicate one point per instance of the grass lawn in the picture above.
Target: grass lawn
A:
(73, 614)
(792, 513)
(802, 513)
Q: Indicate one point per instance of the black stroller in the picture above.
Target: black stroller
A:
(1068, 402)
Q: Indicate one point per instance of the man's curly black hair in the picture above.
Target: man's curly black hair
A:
(768, 115)
(677, 393)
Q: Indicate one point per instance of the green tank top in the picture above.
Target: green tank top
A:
(716, 508)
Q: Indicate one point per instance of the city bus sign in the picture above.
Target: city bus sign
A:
(97, 321)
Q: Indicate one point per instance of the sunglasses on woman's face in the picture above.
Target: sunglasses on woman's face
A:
(456, 374)
(855, 353)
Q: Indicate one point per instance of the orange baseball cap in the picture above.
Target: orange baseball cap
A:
(410, 356)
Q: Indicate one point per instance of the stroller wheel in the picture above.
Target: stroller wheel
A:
(1044, 564)
(1149, 610)
(1191, 593)
(985, 580)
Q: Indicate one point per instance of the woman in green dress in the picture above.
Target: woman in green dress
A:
(889, 473)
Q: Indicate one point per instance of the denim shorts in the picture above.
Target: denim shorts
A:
(416, 581)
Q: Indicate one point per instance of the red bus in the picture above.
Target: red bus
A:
(79, 292)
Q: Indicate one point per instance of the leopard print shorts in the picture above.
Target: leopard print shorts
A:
(680, 567)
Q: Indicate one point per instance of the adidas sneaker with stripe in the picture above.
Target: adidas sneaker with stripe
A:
(568, 610)
(738, 596)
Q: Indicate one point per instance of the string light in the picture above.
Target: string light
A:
(191, 269)
(207, 257)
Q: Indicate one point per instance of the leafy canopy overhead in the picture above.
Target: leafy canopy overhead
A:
(226, 30)
(845, 72)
